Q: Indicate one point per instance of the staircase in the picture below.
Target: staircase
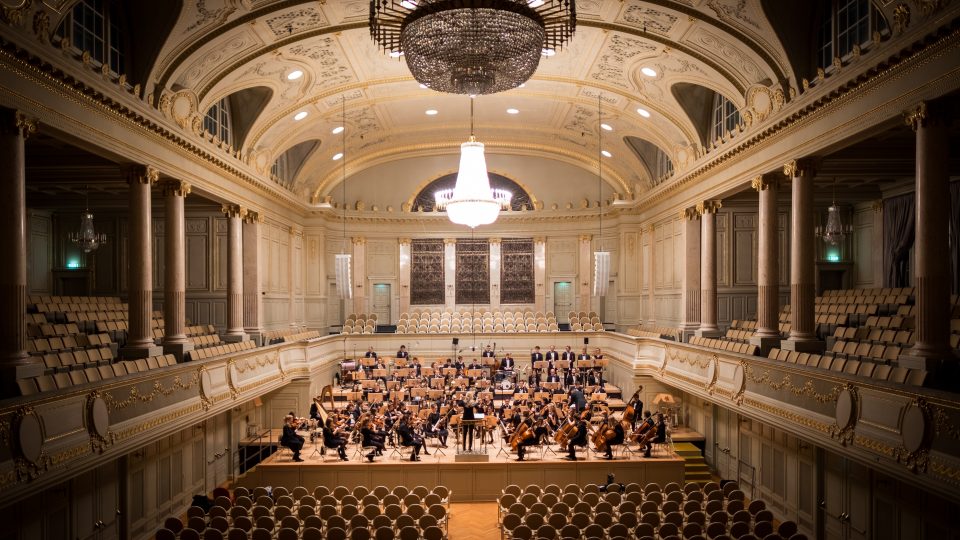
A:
(695, 469)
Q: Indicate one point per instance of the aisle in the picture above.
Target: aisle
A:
(474, 521)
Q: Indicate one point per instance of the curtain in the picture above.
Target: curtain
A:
(898, 233)
(955, 237)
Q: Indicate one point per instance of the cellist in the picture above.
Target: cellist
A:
(524, 435)
(618, 436)
(579, 437)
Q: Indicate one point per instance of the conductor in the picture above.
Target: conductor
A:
(468, 419)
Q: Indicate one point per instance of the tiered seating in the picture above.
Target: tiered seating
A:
(360, 323)
(585, 322)
(276, 336)
(853, 366)
(644, 513)
(65, 379)
(337, 514)
(451, 322)
(724, 345)
(223, 348)
(301, 336)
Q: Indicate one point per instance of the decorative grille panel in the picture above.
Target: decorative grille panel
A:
(473, 271)
(426, 271)
(517, 285)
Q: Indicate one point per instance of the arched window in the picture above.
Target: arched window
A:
(844, 24)
(664, 166)
(217, 121)
(280, 172)
(425, 200)
(725, 117)
(95, 26)
(286, 167)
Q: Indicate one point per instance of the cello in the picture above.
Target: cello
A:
(521, 435)
(603, 434)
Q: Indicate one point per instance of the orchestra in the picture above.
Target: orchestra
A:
(403, 402)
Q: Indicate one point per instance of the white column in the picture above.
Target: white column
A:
(252, 307)
(585, 272)
(932, 347)
(651, 231)
(174, 270)
(404, 275)
(540, 273)
(767, 335)
(359, 263)
(495, 261)
(803, 336)
(296, 276)
(450, 272)
(15, 362)
(708, 268)
(140, 264)
(691, 272)
(235, 215)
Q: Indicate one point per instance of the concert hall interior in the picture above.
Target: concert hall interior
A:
(462, 269)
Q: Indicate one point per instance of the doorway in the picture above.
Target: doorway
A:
(562, 301)
(381, 303)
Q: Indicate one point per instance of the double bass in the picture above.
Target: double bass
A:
(630, 413)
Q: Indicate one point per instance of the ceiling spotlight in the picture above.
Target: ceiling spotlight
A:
(513, 111)
(548, 52)
(423, 86)
(336, 130)
(294, 75)
(337, 156)
(535, 3)
(396, 54)
(431, 112)
(522, 85)
(300, 115)
(643, 112)
(607, 127)
(409, 4)
(606, 154)
(648, 71)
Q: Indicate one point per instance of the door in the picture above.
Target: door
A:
(845, 498)
(562, 301)
(726, 442)
(381, 302)
(96, 504)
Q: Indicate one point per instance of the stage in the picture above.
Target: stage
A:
(469, 481)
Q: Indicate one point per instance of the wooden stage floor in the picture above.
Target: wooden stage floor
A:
(468, 480)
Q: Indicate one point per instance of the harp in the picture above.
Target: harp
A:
(327, 391)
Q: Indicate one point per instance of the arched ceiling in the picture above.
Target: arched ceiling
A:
(219, 47)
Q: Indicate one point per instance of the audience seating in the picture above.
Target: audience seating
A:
(693, 511)
(585, 322)
(661, 332)
(276, 336)
(452, 322)
(360, 323)
(301, 336)
(226, 348)
(730, 346)
(340, 513)
(853, 364)
(60, 379)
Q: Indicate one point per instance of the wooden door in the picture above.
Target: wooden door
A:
(562, 300)
(381, 302)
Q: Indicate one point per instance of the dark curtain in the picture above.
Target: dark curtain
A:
(955, 237)
(898, 232)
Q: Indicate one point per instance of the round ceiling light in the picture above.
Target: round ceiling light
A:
(294, 75)
(648, 71)
(300, 115)
(431, 112)
(606, 154)
(513, 111)
(337, 156)
(607, 127)
(337, 130)
(643, 112)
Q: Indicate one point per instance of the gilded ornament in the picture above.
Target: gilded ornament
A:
(837, 63)
(798, 168)
(233, 210)
(14, 15)
(122, 79)
(41, 25)
(86, 59)
(709, 206)
(856, 51)
(175, 187)
(917, 117)
(928, 7)
(806, 84)
(763, 182)
(821, 74)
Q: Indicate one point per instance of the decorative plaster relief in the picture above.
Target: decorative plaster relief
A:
(619, 49)
(220, 56)
(296, 21)
(328, 59)
(717, 47)
(736, 10)
(653, 20)
(209, 16)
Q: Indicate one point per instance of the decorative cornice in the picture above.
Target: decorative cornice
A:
(17, 123)
(233, 211)
(175, 187)
(586, 237)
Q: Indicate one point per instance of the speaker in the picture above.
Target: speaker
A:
(586, 341)
(456, 341)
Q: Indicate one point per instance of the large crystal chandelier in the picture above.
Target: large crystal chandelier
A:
(86, 238)
(472, 46)
(471, 202)
(834, 231)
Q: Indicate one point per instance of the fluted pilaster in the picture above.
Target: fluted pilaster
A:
(235, 215)
(708, 267)
(251, 274)
(140, 263)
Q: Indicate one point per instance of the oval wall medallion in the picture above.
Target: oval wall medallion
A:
(846, 407)
(30, 437)
(99, 417)
(712, 371)
(234, 375)
(739, 381)
(913, 431)
(206, 384)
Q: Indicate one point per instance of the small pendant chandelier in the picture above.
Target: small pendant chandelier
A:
(471, 202)
(834, 231)
(86, 238)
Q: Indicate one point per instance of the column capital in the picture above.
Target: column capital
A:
(539, 239)
(142, 174)
(449, 241)
(925, 114)
(18, 123)
(877, 205)
(798, 167)
(494, 240)
(404, 241)
(586, 237)
(689, 214)
(358, 240)
(253, 217)
(175, 187)
(295, 231)
(648, 229)
(762, 182)
(233, 211)
(710, 206)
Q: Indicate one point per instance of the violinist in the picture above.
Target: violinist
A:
(437, 426)
(314, 411)
(414, 367)
(525, 439)
(289, 438)
(332, 440)
(409, 438)
(402, 353)
(579, 438)
(459, 365)
(372, 438)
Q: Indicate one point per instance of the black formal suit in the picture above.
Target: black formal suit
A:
(535, 357)
(408, 438)
(578, 439)
(369, 437)
(330, 440)
(291, 440)
(402, 354)
(468, 416)
(553, 355)
(507, 363)
(568, 355)
(577, 398)
(416, 369)
(489, 354)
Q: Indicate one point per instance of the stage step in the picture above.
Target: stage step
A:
(695, 469)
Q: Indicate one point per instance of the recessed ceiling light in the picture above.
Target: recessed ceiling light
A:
(534, 3)
(423, 86)
(606, 154)
(336, 130)
(396, 54)
(548, 52)
(337, 156)
(607, 127)
(513, 111)
(409, 4)
(294, 75)
(522, 85)
(300, 115)
(431, 112)
(644, 113)
(648, 71)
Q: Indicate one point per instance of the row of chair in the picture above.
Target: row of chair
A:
(883, 372)
(218, 350)
(302, 336)
(66, 379)
(61, 361)
(724, 345)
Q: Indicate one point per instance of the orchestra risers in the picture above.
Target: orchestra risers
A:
(468, 482)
